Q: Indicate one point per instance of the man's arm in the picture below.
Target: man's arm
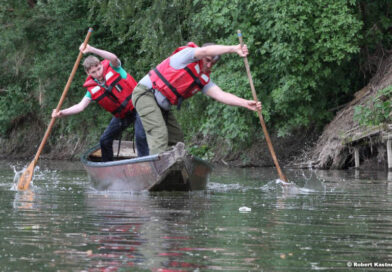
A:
(230, 99)
(215, 50)
(73, 109)
(102, 53)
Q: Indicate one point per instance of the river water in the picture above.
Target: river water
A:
(325, 220)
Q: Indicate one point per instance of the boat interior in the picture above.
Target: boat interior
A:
(127, 151)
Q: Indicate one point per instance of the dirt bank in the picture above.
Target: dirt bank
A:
(23, 144)
(26, 136)
(330, 152)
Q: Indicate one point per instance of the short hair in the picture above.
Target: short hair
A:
(215, 58)
(89, 62)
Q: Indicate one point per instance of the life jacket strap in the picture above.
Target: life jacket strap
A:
(167, 83)
(123, 105)
(108, 91)
(196, 79)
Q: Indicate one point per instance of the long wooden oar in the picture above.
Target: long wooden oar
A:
(25, 179)
(266, 134)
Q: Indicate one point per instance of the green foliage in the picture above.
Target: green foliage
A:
(145, 32)
(41, 45)
(16, 84)
(300, 55)
(305, 57)
(14, 105)
(201, 151)
(377, 111)
(376, 37)
(305, 49)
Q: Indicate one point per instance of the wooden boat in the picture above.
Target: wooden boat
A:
(174, 170)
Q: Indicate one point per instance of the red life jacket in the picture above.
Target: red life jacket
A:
(180, 84)
(115, 95)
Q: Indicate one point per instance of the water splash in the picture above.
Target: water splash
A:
(221, 187)
(290, 188)
(279, 181)
(276, 186)
(18, 174)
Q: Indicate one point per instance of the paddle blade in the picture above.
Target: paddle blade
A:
(26, 177)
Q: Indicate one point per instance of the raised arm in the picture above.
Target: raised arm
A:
(102, 53)
(73, 109)
(218, 94)
(215, 50)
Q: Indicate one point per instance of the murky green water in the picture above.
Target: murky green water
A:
(329, 218)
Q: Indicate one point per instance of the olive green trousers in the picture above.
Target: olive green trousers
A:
(161, 127)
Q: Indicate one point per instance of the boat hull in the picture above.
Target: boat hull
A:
(175, 170)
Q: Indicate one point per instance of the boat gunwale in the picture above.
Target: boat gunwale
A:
(86, 162)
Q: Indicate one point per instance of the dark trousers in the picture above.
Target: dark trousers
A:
(113, 131)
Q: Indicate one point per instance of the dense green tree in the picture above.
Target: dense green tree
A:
(300, 55)
(376, 42)
(17, 58)
(306, 57)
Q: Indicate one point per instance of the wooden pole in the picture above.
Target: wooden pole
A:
(266, 134)
(356, 157)
(27, 175)
(389, 153)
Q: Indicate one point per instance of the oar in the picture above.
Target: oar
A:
(266, 134)
(25, 179)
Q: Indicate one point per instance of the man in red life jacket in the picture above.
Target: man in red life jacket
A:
(111, 87)
(179, 77)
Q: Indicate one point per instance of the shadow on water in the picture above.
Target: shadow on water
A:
(320, 221)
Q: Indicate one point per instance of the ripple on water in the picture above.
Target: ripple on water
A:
(318, 221)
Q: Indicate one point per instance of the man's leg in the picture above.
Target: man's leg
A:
(175, 133)
(112, 131)
(140, 137)
(152, 119)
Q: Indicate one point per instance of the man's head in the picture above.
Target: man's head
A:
(93, 67)
(209, 61)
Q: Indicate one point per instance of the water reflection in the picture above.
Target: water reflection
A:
(321, 221)
(24, 200)
(136, 229)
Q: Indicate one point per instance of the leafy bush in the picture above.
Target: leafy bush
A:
(14, 106)
(306, 57)
(377, 111)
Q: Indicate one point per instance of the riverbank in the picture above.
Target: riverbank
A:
(327, 149)
(336, 146)
(23, 145)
